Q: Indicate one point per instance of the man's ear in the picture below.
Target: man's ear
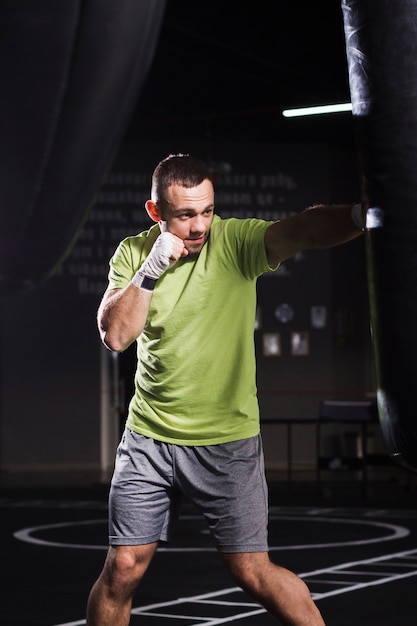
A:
(153, 211)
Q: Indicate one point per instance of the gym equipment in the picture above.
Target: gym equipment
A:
(381, 44)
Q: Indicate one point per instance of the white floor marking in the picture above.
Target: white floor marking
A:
(395, 532)
(375, 577)
(313, 579)
(325, 582)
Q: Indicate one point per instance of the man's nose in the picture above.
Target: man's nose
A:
(197, 224)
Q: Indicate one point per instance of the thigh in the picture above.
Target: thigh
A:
(143, 502)
(227, 483)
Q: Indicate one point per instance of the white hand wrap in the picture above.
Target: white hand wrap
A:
(357, 216)
(157, 262)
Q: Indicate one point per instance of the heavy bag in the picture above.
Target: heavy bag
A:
(381, 44)
(71, 73)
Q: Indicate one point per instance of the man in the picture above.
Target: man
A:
(185, 290)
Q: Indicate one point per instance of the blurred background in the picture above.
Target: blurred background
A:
(214, 79)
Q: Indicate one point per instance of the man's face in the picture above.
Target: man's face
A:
(188, 214)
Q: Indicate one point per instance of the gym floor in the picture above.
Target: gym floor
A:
(357, 553)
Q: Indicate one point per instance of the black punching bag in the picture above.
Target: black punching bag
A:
(71, 73)
(381, 43)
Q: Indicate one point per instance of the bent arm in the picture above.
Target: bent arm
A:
(321, 226)
(122, 316)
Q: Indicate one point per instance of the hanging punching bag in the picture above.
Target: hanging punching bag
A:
(70, 72)
(381, 44)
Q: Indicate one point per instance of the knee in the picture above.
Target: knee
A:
(123, 563)
(246, 571)
(123, 569)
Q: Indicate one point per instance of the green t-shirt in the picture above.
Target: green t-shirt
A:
(195, 382)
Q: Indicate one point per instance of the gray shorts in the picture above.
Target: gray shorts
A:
(226, 482)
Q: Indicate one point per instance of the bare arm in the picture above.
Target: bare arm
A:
(122, 315)
(321, 226)
(123, 312)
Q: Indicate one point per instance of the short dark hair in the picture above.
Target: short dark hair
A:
(181, 169)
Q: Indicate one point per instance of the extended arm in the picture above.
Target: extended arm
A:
(321, 226)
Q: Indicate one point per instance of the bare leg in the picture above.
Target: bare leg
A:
(278, 590)
(110, 600)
